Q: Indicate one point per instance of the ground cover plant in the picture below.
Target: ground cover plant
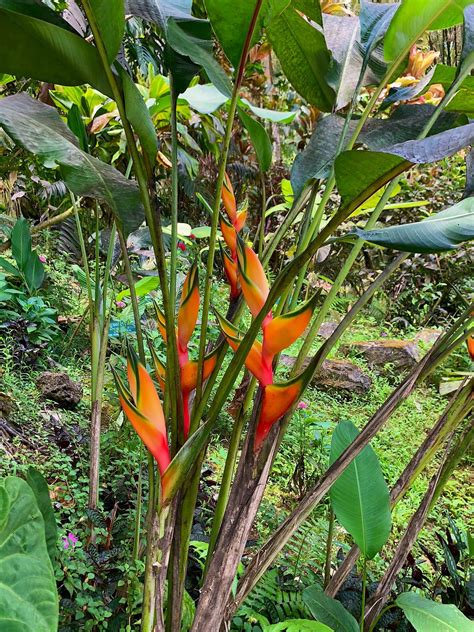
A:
(135, 126)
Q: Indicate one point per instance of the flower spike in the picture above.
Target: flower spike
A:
(160, 368)
(230, 236)
(277, 400)
(252, 278)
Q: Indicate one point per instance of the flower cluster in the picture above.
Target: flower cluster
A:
(278, 333)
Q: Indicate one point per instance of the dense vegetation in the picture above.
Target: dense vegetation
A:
(236, 317)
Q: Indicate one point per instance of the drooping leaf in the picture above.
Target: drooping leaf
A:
(28, 596)
(39, 129)
(110, 19)
(437, 233)
(303, 54)
(414, 17)
(359, 174)
(260, 140)
(9, 268)
(317, 159)
(430, 616)
(32, 47)
(329, 611)
(21, 243)
(200, 52)
(138, 115)
(159, 11)
(40, 489)
(342, 36)
(360, 496)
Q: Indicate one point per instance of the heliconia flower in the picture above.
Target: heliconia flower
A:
(142, 406)
(254, 360)
(231, 273)
(281, 332)
(160, 321)
(277, 400)
(252, 279)
(160, 368)
(230, 236)
(228, 199)
(189, 372)
(188, 312)
(470, 346)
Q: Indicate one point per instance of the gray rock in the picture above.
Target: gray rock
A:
(428, 336)
(340, 375)
(327, 329)
(60, 388)
(400, 354)
(7, 405)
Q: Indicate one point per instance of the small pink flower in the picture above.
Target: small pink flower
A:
(120, 304)
(70, 540)
(303, 405)
(181, 246)
(42, 258)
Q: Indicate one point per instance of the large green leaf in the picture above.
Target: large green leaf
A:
(360, 496)
(32, 47)
(28, 596)
(200, 52)
(21, 242)
(303, 54)
(260, 140)
(414, 17)
(430, 616)
(359, 174)
(110, 19)
(230, 21)
(442, 231)
(39, 129)
(40, 489)
(34, 271)
(328, 610)
(138, 115)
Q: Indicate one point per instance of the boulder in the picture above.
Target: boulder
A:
(400, 354)
(428, 336)
(340, 375)
(59, 388)
(327, 329)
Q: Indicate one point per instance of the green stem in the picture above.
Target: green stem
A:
(174, 196)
